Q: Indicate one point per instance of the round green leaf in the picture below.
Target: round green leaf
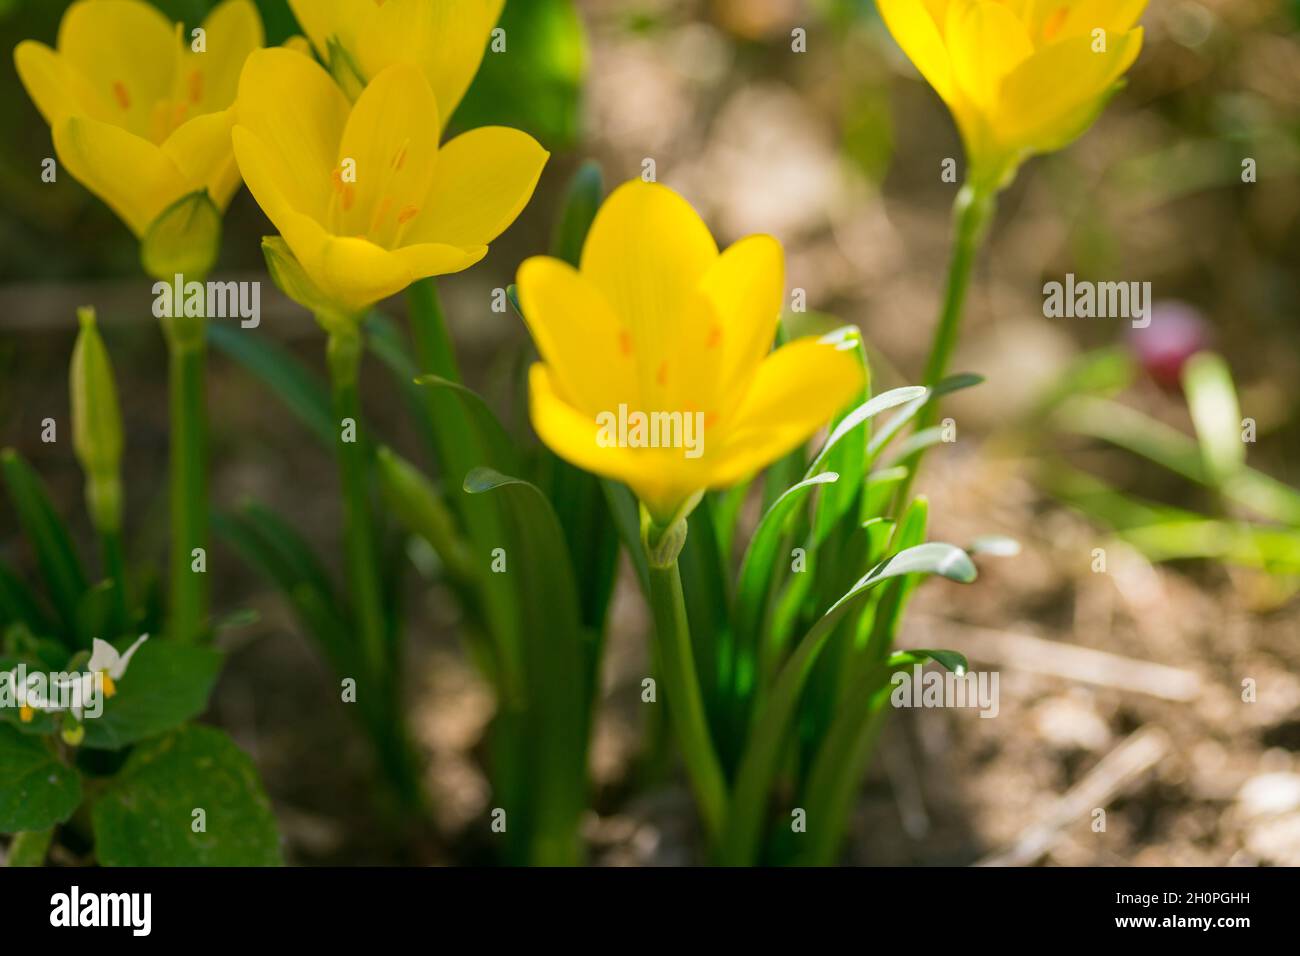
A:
(150, 815)
(36, 789)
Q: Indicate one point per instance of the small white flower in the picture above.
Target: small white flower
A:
(105, 664)
(104, 657)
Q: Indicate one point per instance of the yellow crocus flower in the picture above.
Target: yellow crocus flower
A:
(656, 320)
(138, 115)
(363, 195)
(1020, 76)
(358, 39)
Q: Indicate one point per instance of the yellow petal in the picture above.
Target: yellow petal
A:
(294, 108)
(661, 478)
(56, 88)
(1077, 79)
(320, 19)
(133, 176)
(128, 52)
(353, 273)
(445, 38)
(646, 252)
(586, 347)
(917, 30)
(1113, 16)
(210, 79)
(391, 140)
(202, 152)
(798, 389)
(986, 42)
(483, 180)
(746, 286)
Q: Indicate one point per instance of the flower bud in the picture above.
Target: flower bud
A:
(96, 424)
(1176, 333)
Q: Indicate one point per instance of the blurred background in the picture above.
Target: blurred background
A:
(1121, 689)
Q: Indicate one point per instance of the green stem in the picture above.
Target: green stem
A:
(685, 705)
(189, 494)
(115, 571)
(433, 347)
(971, 212)
(344, 357)
(29, 847)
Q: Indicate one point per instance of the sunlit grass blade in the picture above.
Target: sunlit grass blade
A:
(758, 766)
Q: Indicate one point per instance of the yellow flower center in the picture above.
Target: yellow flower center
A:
(26, 714)
(110, 687)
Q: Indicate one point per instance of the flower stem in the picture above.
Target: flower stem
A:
(972, 211)
(189, 492)
(115, 570)
(685, 705)
(344, 359)
(433, 347)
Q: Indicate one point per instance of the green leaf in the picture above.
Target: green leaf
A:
(626, 514)
(301, 391)
(582, 198)
(48, 537)
(1212, 400)
(147, 816)
(755, 578)
(278, 552)
(949, 660)
(917, 441)
(1142, 435)
(535, 83)
(762, 755)
(846, 750)
(844, 456)
(386, 340)
(37, 790)
(856, 418)
(549, 724)
(996, 545)
(20, 603)
(497, 450)
(890, 430)
(165, 685)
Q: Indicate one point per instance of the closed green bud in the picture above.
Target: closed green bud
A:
(291, 279)
(97, 424)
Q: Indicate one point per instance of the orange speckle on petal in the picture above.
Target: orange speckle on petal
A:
(715, 337)
(625, 342)
(1054, 23)
(710, 419)
(406, 214)
(661, 376)
(399, 158)
(121, 95)
(196, 86)
(348, 196)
